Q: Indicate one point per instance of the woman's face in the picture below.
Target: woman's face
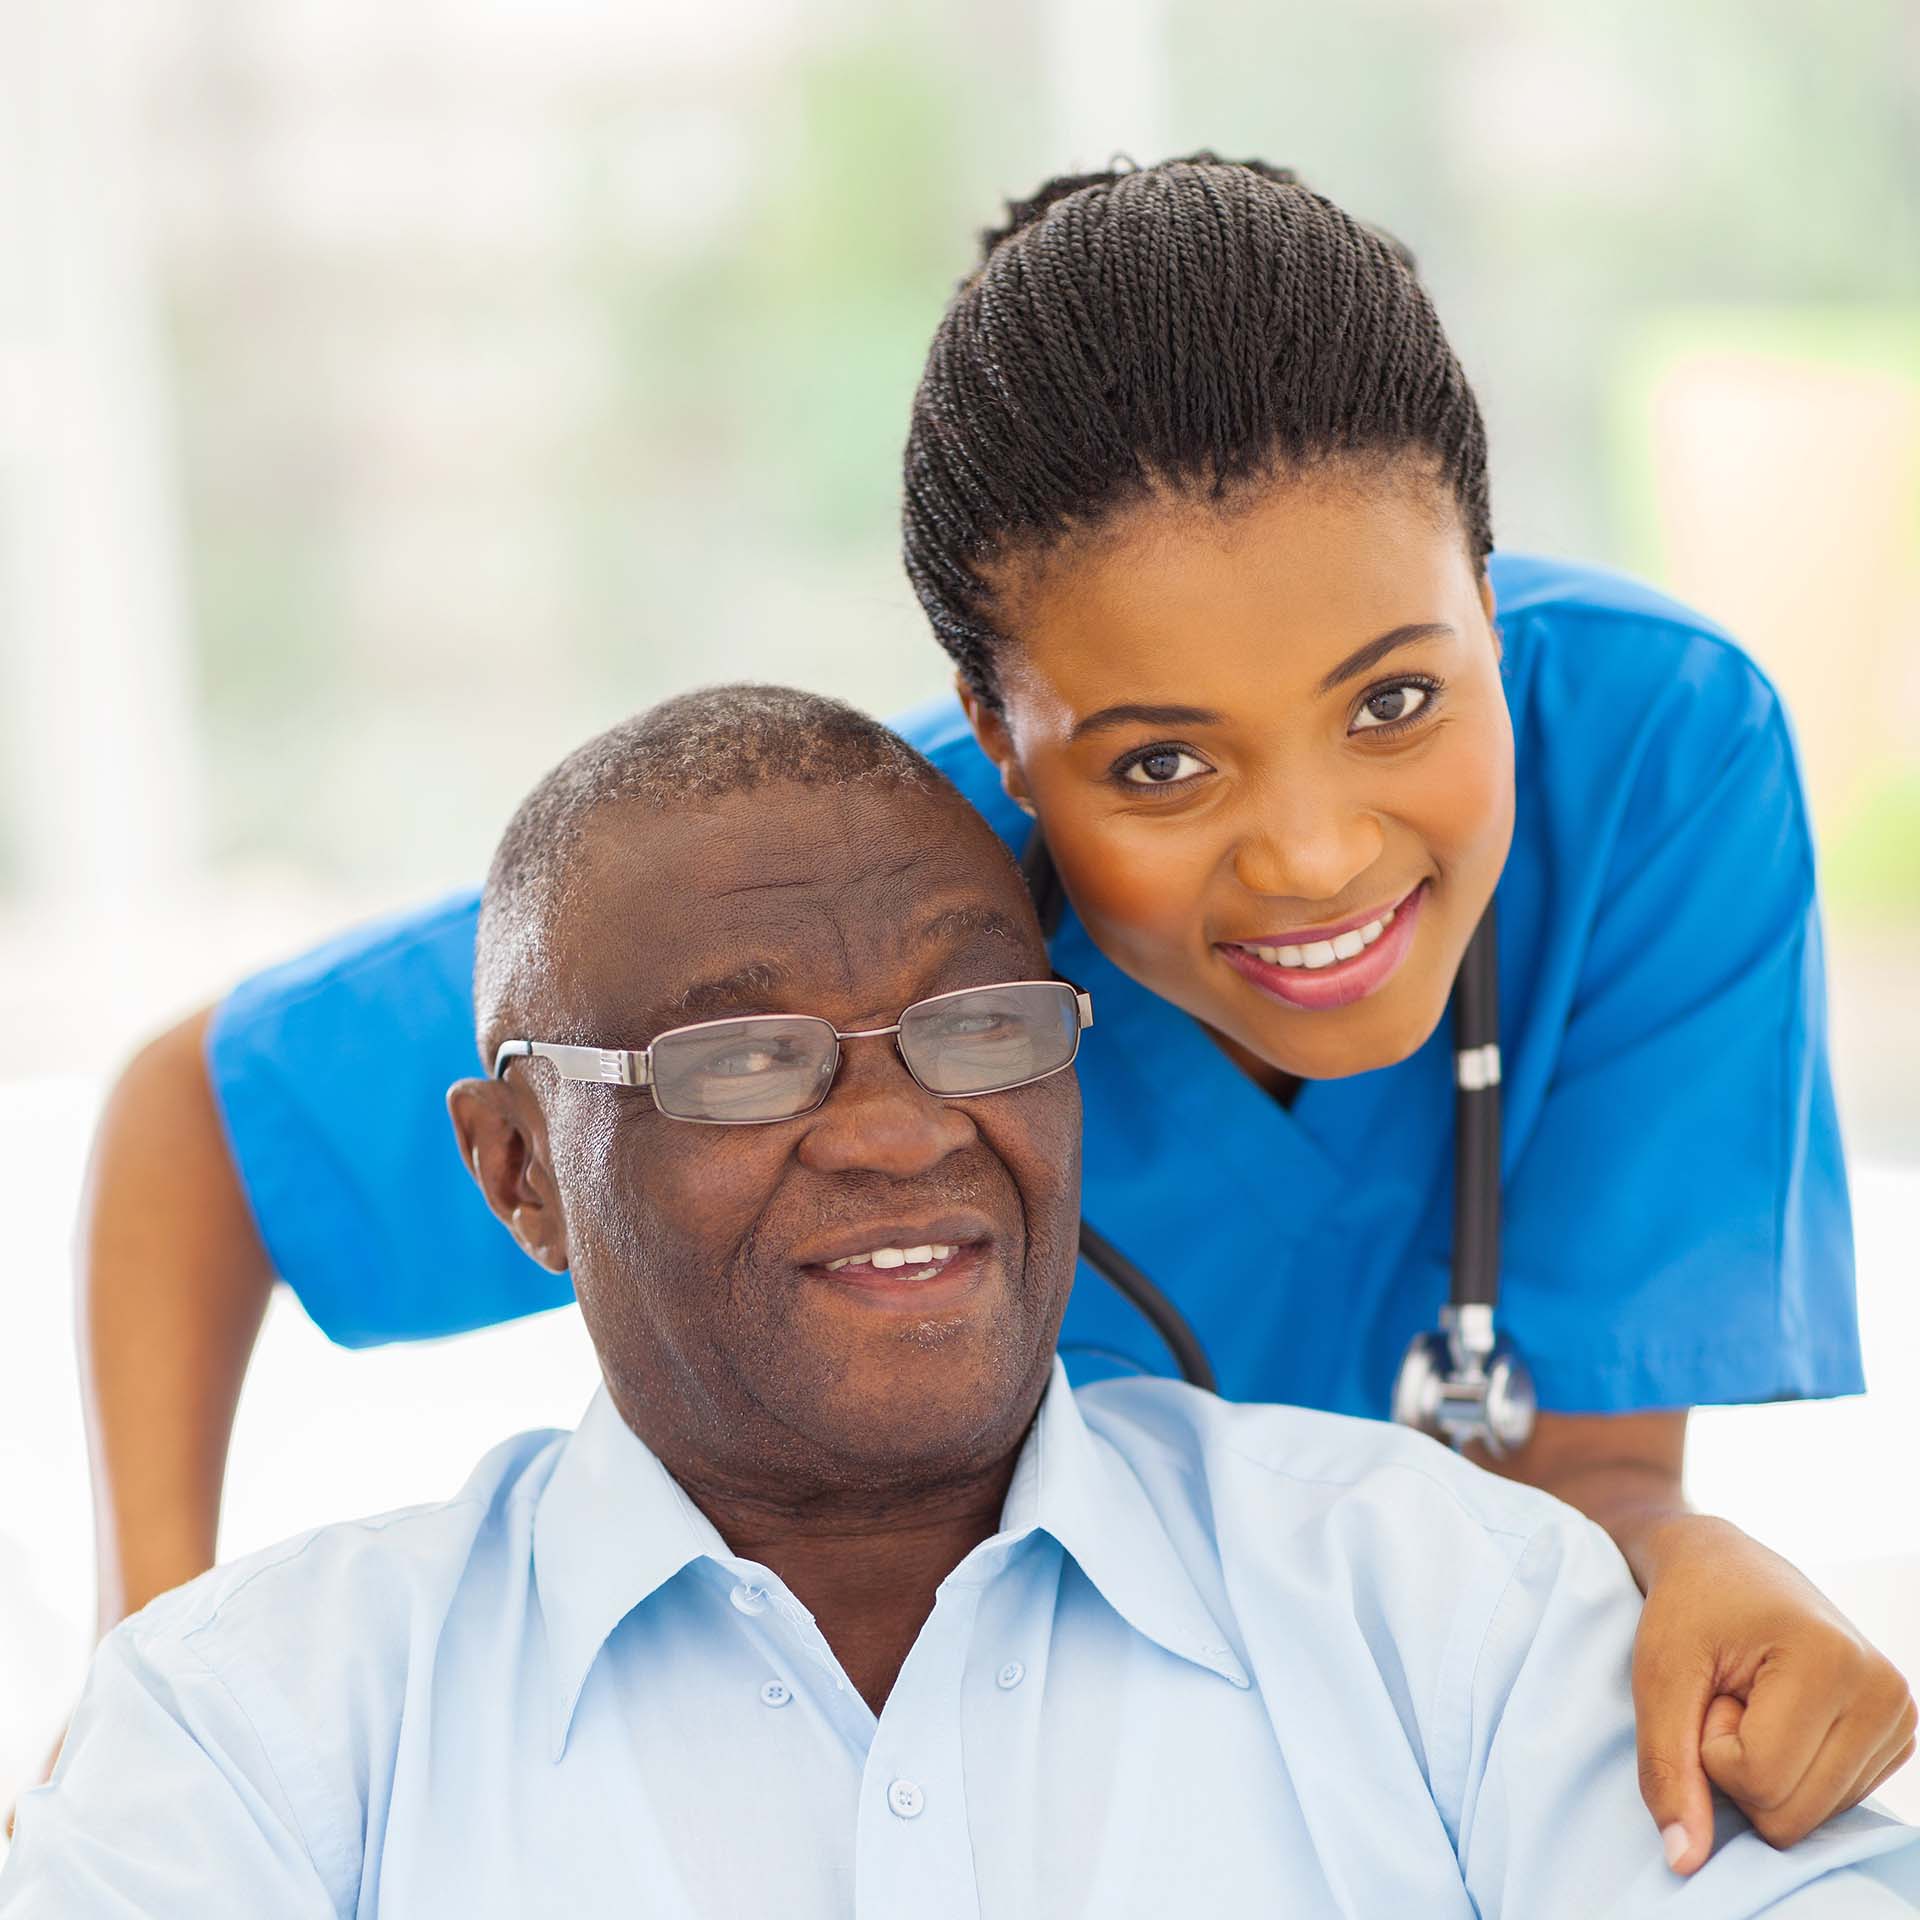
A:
(1271, 755)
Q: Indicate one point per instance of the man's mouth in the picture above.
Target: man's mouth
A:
(916, 1269)
(924, 1263)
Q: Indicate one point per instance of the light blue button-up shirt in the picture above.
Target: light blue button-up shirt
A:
(1218, 1660)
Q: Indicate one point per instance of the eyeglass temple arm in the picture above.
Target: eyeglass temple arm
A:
(613, 1065)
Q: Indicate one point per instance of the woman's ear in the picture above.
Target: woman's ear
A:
(1487, 607)
(989, 726)
(503, 1145)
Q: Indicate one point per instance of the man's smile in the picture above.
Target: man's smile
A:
(908, 1268)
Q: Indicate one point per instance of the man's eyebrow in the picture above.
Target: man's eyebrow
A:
(725, 993)
(1361, 658)
(1123, 716)
(973, 917)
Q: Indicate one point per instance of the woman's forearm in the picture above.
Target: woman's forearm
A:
(173, 1282)
(1623, 1471)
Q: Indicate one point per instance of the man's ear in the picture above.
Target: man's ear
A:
(503, 1144)
(989, 726)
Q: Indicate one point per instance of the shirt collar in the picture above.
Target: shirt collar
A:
(613, 1527)
(1076, 1485)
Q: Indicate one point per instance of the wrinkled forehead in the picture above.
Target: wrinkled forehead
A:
(847, 901)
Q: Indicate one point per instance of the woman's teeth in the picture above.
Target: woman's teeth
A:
(1323, 953)
(900, 1257)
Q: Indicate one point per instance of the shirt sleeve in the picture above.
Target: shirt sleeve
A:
(1677, 1225)
(331, 1075)
(167, 1806)
(1551, 1819)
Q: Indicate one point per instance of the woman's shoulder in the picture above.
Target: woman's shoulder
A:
(438, 935)
(1627, 702)
(1607, 639)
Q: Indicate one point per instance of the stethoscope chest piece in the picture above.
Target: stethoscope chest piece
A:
(1465, 1382)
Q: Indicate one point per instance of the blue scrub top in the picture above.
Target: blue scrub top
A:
(1676, 1222)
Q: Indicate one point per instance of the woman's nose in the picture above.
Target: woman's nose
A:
(879, 1119)
(1306, 849)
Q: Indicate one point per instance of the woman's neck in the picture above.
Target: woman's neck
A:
(1284, 1087)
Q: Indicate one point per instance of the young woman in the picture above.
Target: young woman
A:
(1197, 501)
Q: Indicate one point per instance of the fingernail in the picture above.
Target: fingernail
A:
(1674, 1839)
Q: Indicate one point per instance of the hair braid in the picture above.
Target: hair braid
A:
(1197, 324)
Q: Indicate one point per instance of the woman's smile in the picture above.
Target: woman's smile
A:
(1332, 967)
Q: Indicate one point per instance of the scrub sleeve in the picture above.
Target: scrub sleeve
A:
(331, 1075)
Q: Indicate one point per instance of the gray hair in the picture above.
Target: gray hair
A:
(697, 746)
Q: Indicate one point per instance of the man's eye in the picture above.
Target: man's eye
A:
(744, 1060)
(1389, 706)
(1162, 767)
(970, 1026)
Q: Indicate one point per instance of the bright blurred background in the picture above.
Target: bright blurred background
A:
(392, 395)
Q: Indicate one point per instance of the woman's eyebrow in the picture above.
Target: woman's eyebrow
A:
(1361, 658)
(1144, 716)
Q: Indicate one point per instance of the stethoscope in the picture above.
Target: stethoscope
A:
(1464, 1381)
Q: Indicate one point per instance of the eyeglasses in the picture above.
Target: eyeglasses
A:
(778, 1066)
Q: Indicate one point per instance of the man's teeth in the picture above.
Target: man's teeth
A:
(897, 1257)
(1323, 953)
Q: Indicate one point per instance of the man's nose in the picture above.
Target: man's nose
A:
(1306, 845)
(879, 1119)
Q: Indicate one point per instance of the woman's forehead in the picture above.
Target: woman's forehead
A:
(1183, 598)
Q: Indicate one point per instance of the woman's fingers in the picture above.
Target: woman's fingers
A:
(1804, 1749)
(1791, 1710)
(1670, 1700)
(1895, 1755)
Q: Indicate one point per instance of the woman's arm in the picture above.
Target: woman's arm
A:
(1745, 1678)
(173, 1284)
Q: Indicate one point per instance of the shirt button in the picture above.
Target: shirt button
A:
(776, 1693)
(906, 1799)
(749, 1599)
(1010, 1675)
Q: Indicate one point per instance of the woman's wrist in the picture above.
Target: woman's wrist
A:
(1660, 1538)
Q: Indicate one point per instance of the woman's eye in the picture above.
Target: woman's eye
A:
(1163, 767)
(1388, 706)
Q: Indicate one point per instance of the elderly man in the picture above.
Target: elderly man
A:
(840, 1600)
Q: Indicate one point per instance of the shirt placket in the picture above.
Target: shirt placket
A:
(913, 1851)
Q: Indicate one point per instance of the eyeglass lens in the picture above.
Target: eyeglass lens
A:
(995, 1037)
(767, 1068)
(775, 1066)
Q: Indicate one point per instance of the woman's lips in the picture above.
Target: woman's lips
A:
(1342, 982)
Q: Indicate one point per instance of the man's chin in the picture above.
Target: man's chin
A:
(931, 1402)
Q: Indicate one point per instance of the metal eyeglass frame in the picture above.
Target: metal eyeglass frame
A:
(633, 1067)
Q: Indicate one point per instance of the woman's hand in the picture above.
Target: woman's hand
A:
(1745, 1678)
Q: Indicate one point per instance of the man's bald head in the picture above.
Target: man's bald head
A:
(693, 749)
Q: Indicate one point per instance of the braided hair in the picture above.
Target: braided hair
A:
(1197, 326)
